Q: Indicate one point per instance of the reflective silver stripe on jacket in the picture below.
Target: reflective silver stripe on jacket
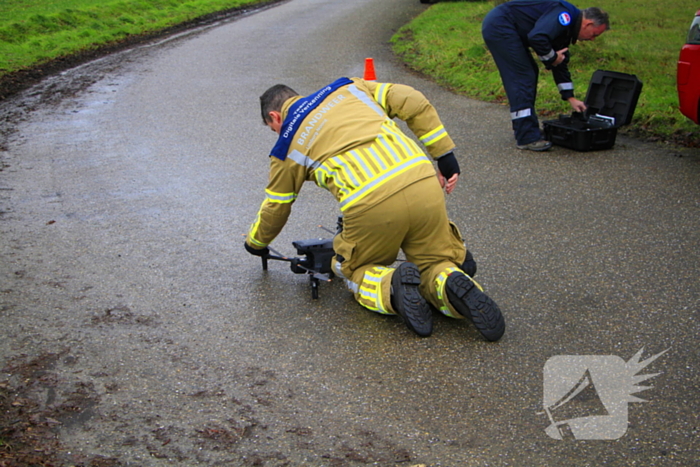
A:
(549, 56)
(366, 99)
(565, 86)
(303, 160)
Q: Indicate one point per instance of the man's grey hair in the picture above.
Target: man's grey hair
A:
(274, 98)
(598, 16)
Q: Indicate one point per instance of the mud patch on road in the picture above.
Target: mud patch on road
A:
(34, 403)
(122, 314)
(252, 422)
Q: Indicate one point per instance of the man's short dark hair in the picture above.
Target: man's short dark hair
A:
(274, 98)
(598, 16)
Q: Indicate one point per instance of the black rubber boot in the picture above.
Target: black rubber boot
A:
(475, 305)
(407, 300)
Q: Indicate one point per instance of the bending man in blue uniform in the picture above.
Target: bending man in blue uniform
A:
(548, 27)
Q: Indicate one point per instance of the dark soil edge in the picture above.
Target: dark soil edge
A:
(15, 82)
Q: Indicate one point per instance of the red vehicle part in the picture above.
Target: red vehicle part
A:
(688, 74)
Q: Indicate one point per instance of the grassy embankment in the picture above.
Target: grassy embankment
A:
(444, 42)
(645, 38)
(33, 32)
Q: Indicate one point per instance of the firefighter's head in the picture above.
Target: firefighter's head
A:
(271, 103)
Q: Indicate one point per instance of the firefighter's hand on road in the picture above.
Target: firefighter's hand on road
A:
(256, 252)
(577, 105)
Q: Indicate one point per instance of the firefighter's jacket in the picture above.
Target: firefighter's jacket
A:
(546, 26)
(351, 146)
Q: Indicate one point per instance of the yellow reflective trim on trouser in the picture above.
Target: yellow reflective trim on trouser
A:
(370, 293)
(440, 282)
(434, 136)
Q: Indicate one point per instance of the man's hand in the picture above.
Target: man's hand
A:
(448, 171)
(450, 184)
(257, 252)
(577, 105)
(561, 56)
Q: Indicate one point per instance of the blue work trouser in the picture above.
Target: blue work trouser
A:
(518, 72)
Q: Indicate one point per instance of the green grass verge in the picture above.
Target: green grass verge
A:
(445, 43)
(33, 32)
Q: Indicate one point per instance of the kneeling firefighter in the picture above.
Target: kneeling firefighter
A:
(343, 138)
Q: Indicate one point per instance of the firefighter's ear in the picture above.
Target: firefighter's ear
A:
(274, 115)
(275, 121)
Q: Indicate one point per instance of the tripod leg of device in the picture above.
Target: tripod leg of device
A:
(314, 287)
(264, 262)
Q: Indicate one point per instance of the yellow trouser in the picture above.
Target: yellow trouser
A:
(413, 220)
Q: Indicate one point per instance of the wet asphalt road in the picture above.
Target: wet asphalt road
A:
(123, 213)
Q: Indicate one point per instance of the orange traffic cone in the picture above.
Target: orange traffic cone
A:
(369, 70)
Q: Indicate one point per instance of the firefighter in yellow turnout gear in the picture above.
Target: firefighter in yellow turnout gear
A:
(344, 138)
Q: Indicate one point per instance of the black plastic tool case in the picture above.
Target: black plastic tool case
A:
(610, 94)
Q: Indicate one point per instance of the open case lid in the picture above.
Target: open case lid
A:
(613, 94)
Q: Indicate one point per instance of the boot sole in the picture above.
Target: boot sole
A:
(476, 306)
(536, 149)
(411, 306)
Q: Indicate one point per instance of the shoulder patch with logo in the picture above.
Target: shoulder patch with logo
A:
(565, 18)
